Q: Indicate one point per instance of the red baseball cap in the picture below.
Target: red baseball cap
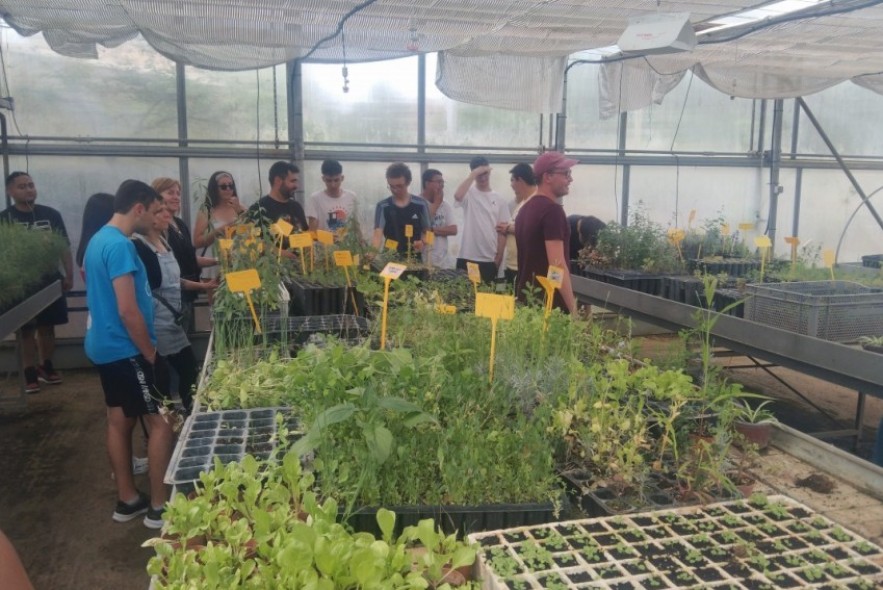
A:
(550, 161)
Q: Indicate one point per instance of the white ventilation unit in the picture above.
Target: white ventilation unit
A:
(662, 32)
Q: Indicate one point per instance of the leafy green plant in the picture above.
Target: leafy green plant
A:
(29, 258)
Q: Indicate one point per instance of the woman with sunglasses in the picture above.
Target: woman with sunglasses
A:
(221, 209)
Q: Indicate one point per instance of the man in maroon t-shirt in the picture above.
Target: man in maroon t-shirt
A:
(542, 234)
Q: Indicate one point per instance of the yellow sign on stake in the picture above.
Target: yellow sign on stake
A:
(344, 258)
(676, 236)
(428, 241)
(281, 229)
(764, 243)
(301, 241)
(793, 241)
(746, 226)
(324, 237)
(409, 231)
(829, 257)
(246, 281)
(390, 272)
(725, 229)
(496, 307)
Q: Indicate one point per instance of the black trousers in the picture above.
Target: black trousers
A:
(184, 363)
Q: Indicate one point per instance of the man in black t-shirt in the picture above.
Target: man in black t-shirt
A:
(280, 203)
(41, 331)
(399, 210)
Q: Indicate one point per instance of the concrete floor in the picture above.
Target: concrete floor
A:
(56, 495)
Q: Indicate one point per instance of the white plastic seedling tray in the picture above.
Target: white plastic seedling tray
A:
(735, 544)
(228, 435)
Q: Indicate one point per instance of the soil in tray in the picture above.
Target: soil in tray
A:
(865, 568)
(622, 586)
(653, 583)
(682, 579)
(489, 541)
(636, 568)
(716, 555)
(644, 521)
(783, 580)
(579, 577)
(609, 572)
(737, 570)
(607, 539)
(663, 563)
(515, 537)
(633, 536)
(196, 451)
(564, 560)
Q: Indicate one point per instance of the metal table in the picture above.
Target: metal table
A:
(834, 362)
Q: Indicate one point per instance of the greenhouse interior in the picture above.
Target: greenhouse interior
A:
(358, 282)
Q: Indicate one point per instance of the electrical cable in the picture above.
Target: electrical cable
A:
(337, 31)
(671, 149)
(849, 221)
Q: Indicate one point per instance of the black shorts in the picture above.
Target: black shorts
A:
(135, 385)
(54, 315)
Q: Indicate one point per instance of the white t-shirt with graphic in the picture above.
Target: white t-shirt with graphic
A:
(441, 258)
(331, 213)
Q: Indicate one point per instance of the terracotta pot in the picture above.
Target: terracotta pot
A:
(758, 434)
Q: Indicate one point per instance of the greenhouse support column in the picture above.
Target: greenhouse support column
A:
(798, 179)
(183, 160)
(4, 137)
(295, 105)
(626, 169)
(775, 165)
(561, 118)
(421, 108)
(840, 161)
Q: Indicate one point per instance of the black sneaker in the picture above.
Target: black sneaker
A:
(32, 383)
(154, 520)
(125, 512)
(47, 373)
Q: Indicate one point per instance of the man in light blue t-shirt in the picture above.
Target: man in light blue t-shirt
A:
(120, 340)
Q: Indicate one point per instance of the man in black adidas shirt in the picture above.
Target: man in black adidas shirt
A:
(399, 210)
(41, 331)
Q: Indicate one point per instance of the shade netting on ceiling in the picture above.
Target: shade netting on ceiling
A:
(502, 53)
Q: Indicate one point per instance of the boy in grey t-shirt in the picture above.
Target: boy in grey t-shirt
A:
(330, 209)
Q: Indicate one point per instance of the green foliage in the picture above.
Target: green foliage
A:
(641, 245)
(258, 525)
(29, 258)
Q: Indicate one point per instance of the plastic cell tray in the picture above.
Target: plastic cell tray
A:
(228, 435)
(841, 311)
(342, 325)
(734, 545)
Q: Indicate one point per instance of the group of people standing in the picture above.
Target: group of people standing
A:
(143, 269)
(519, 239)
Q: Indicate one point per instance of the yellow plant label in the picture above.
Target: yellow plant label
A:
(409, 231)
(763, 242)
(393, 270)
(281, 228)
(445, 309)
(302, 240)
(225, 244)
(675, 235)
(725, 229)
(473, 271)
(429, 238)
(391, 245)
(324, 237)
(243, 281)
(555, 276)
(495, 307)
(828, 258)
(356, 260)
(746, 226)
(793, 240)
(343, 258)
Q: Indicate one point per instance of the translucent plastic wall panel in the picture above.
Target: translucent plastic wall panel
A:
(585, 129)
(711, 121)
(65, 183)
(844, 112)
(237, 105)
(453, 123)
(827, 202)
(595, 190)
(128, 92)
(668, 194)
(380, 107)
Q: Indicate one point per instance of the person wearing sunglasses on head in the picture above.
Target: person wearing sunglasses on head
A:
(542, 234)
(220, 209)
